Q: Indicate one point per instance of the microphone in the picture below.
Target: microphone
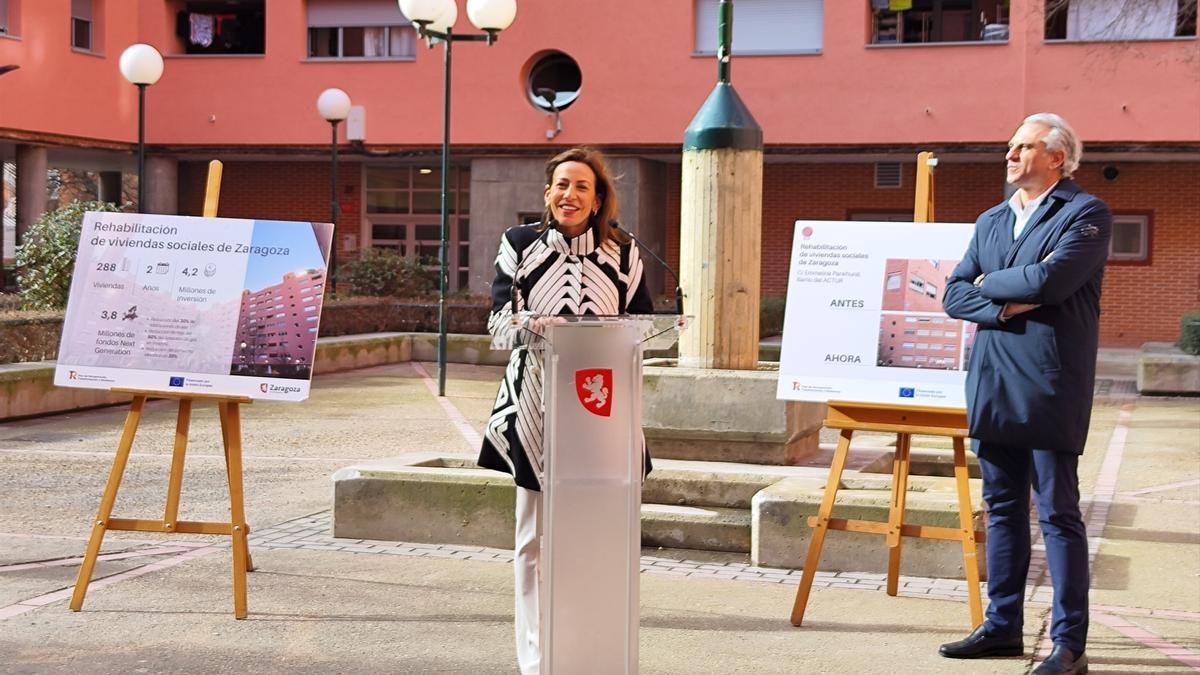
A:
(646, 249)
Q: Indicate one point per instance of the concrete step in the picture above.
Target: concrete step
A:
(924, 462)
(693, 483)
(686, 414)
(704, 528)
(781, 533)
(716, 506)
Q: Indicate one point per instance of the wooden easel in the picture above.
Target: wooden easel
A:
(904, 421)
(231, 435)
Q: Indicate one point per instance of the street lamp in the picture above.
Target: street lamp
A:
(142, 65)
(334, 105)
(434, 20)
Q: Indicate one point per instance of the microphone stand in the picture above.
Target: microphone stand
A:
(646, 249)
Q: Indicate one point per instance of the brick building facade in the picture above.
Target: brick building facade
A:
(832, 90)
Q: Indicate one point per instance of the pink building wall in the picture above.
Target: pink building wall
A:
(921, 284)
(278, 324)
(641, 82)
(913, 331)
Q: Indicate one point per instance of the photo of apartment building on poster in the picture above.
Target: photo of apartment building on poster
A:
(914, 332)
(281, 303)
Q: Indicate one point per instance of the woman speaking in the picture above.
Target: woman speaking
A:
(573, 262)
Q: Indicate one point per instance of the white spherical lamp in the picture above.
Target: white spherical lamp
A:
(492, 15)
(424, 11)
(333, 104)
(141, 64)
(447, 17)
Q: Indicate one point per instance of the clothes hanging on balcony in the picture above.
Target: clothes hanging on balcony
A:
(200, 29)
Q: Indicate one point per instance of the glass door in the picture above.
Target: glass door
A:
(404, 213)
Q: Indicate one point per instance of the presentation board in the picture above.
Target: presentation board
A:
(864, 319)
(206, 305)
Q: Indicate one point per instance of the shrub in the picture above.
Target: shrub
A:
(29, 336)
(46, 256)
(384, 272)
(770, 316)
(1189, 332)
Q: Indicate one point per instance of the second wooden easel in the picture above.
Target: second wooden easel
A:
(904, 421)
(231, 435)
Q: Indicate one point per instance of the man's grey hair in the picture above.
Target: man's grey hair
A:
(1060, 137)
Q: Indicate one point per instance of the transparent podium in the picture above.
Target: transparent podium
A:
(594, 463)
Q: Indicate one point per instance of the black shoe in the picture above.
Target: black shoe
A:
(979, 644)
(1063, 661)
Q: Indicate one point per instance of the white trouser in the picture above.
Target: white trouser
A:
(526, 567)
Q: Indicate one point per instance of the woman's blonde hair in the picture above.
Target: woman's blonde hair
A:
(606, 191)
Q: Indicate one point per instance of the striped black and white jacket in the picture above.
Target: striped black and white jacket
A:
(551, 275)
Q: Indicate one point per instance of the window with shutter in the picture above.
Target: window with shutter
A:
(887, 174)
(81, 24)
(764, 26)
(359, 29)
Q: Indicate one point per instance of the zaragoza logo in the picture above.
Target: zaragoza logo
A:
(593, 386)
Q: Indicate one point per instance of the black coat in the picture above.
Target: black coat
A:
(1031, 378)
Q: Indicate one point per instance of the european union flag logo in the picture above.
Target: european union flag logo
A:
(176, 381)
(908, 392)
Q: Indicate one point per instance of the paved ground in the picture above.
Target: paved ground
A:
(318, 604)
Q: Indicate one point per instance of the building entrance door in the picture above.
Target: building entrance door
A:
(403, 212)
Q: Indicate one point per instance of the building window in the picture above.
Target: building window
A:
(922, 21)
(404, 214)
(1115, 20)
(218, 28)
(359, 29)
(7, 26)
(893, 280)
(764, 26)
(362, 42)
(81, 24)
(554, 81)
(1130, 239)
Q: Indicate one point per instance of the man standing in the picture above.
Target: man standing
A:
(1031, 281)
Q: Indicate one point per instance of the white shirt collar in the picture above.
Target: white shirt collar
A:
(1023, 214)
(1014, 202)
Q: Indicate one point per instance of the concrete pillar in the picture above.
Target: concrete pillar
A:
(110, 187)
(641, 186)
(162, 185)
(720, 253)
(720, 238)
(501, 191)
(31, 186)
